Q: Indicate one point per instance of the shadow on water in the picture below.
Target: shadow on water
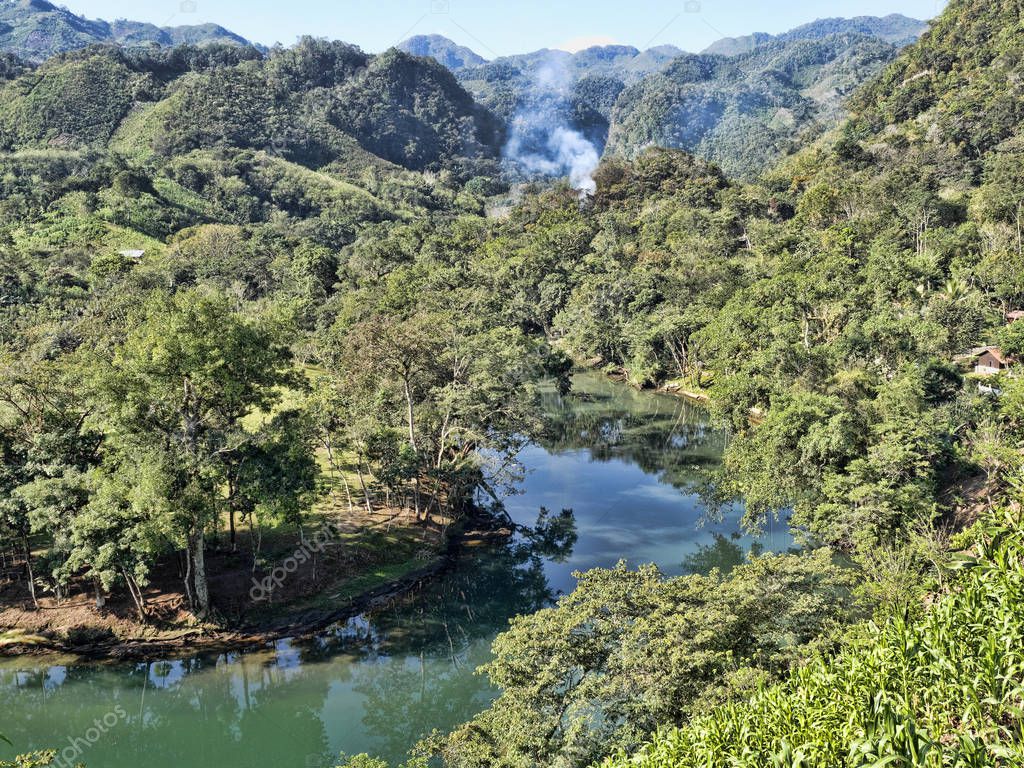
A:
(626, 463)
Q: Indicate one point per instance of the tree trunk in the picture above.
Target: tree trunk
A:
(409, 413)
(234, 505)
(348, 492)
(188, 579)
(412, 440)
(136, 592)
(416, 493)
(198, 556)
(1020, 234)
(29, 573)
(362, 484)
(336, 468)
(255, 539)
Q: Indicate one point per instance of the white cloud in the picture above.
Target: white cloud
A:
(578, 44)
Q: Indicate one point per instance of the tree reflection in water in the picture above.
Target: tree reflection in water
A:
(410, 691)
(725, 554)
(661, 434)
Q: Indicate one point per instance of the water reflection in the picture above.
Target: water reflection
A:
(660, 434)
(614, 477)
(725, 554)
(239, 714)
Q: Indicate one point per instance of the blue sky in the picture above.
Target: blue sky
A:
(500, 27)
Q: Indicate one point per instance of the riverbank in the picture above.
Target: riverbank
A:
(370, 560)
(624, 462)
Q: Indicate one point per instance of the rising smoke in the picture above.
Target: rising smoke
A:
(541, 141)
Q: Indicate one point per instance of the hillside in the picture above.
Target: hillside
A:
(922, 184)
(746, 111)
(509, 84)
(36, 30)
(558, 111)
(307, 103)
(557, 105)
(931, 688)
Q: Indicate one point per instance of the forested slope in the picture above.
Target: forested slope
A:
(944, 689)
(213, 197)
(828, 313)
(744, 112)
(903, 250)
(306, 103)
(894, 28)
(443, 50)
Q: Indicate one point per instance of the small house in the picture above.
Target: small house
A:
(133, 254)
(1014, 316)
(991, 361)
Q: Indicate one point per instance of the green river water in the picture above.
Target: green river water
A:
(626, 464)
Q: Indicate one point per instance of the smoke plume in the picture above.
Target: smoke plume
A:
(541, 141)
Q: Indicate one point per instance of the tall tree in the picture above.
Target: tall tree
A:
(172, 400)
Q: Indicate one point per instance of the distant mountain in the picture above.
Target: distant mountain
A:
(895, 28)
(442, 50)
(140, 33)
(744, 111)
(741, 107)
(561, 69)
(783, 87)
(35, 30)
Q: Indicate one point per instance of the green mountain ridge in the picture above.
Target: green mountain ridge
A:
(894, 28)
(744, 113)
(305, 103)
(617, 98)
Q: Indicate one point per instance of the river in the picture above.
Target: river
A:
(625, 463)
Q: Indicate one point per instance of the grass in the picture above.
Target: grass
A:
(185, 199)
(134, 136)
(19, 637)
(63, 229)
(372, 557)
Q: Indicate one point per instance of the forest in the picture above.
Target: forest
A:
(255, 300)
